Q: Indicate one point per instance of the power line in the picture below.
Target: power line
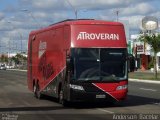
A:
(74, 9)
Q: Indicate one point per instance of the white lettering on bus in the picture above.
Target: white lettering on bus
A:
(97, 36)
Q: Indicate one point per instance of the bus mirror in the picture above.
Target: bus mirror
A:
(68, 61)
(70, 65)
(131, 63)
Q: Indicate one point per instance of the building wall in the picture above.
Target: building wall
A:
(143, 53)
(144, 62)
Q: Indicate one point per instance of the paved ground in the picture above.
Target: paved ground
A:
(17, 101)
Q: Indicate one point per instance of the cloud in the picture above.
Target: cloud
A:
(46, 4)
(43, 13)
(77, 4)
(134, 21)
(142, 8)
(94, 4)
(11, 40)
(11, 34)
(43, 5)
(1, 16)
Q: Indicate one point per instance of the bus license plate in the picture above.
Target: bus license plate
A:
(100, 96)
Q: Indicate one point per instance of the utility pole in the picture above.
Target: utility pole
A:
(20, 35)
(74, 9)
(117, 14)
(30, 13)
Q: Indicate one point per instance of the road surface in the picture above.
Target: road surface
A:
(18, 103)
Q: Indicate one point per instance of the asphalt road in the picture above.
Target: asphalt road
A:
(18, 103)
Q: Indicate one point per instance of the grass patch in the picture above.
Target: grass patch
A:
(143, 75)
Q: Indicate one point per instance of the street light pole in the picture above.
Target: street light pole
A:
(117, 14)
(0, 46)
(150, 23)
(19, 34)
(76, 13)
(74, 9)
(0, 42)
(30, 13)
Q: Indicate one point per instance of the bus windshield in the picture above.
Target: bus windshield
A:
(106, 64)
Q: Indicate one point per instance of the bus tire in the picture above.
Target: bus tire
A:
(61, 98)
(36, 91)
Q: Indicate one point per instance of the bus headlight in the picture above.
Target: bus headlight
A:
(122, 87)
(76, 87)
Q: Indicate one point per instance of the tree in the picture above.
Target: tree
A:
(19, 59)
(154, 41)
(15, 59)
(3, 58)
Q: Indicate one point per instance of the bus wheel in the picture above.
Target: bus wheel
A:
(36, 91)
(61, 99)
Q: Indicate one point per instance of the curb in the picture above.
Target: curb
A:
(144, 81)
(17, 70)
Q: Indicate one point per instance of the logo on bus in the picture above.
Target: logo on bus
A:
(97, 36)
(45, 68)
(42, 48)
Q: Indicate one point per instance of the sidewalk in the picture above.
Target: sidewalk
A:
(18, 70)
(144, 81)
(146, 76)
(146, 71)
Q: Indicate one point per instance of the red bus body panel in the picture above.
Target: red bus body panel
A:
(99, 39)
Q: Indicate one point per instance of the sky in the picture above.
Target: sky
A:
(19, 17)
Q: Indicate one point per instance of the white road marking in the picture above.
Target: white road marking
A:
(156, 103)
(106, 111)
(144, 81)
(148, 89)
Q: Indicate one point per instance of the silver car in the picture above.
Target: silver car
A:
(3, 67)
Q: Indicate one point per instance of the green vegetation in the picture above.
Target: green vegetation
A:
(3, 58)
(19, 60)
(151, 64)
(144, 75)
(154, 41)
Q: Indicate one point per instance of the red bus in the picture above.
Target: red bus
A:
(79, 60)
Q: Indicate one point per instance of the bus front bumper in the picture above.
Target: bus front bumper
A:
(82, 96)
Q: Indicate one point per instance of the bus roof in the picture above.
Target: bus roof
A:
(77, 22)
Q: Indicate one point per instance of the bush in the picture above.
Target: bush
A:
(151, 64)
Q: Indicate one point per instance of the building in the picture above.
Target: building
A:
(143, 54)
